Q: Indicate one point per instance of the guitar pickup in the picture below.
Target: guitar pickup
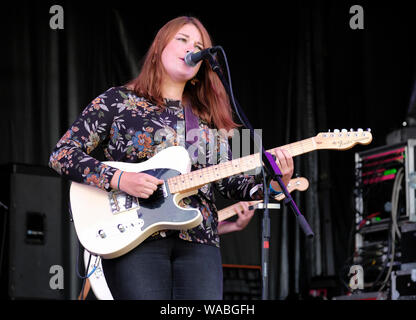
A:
(164, 190)
(129, 202)
(122, 202)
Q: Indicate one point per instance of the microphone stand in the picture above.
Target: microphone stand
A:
(273, 173)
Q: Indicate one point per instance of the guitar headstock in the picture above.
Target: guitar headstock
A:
(342, 139)
(299, 183)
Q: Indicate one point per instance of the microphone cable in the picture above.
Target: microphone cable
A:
(245, 122)
(87, 275)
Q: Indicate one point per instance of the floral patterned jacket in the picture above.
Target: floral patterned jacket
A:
(125, 125)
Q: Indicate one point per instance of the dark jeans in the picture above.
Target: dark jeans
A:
(165, 269)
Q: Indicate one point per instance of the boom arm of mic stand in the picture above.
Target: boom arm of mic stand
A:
(276, 174)
(268, 161)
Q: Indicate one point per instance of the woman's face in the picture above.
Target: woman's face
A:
(187, 39)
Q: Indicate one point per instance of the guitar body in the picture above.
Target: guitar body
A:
(110, 224)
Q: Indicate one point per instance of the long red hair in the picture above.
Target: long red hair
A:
(207, 96)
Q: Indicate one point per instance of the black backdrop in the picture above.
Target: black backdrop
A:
(297, 68)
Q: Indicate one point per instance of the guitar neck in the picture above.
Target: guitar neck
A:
(300, 147)
(296, 183)
(232, 210)
(196, 179)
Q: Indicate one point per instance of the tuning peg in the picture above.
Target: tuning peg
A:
(344, 131)
(360, 130)
(369, 129)
(336, 131)
(329, 130)
(351, 129)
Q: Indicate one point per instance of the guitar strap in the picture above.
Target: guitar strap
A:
(191, 123)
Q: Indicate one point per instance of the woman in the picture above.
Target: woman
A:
(169, 264)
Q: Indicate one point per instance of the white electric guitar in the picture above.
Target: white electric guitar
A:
(110, 224)
(97, 279)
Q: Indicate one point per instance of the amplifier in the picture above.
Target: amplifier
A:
(376, 173)
(241, 282)
(38, 236)
(385, 182)
(403, 285)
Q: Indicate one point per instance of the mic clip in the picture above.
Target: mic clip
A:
(193, 58)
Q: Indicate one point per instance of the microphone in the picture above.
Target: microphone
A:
(191, 58)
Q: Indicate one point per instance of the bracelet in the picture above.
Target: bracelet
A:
(119, 177)
(272, 191)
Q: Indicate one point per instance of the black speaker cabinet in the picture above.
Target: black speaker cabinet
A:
(39, 249)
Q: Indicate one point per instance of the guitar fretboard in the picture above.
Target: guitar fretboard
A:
(196, 179)
(230, 211)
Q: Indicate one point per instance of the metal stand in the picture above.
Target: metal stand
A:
(272, 172)
(265, 245)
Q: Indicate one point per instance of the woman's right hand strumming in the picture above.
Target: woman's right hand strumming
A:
(137, 184)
